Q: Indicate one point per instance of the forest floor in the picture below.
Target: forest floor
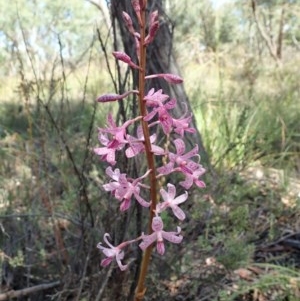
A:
(255, 256)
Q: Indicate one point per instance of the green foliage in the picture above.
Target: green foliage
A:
(205, 27)
(239, 128)
(236, 253)
(39, 27)
(280, 283)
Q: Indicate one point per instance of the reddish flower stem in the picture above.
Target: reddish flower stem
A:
(141, 289)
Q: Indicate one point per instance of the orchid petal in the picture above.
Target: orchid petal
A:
(160, 247)
(125, 205)
(164, 195)
(119, 257)
(106, 261)
(157, 150)
(191, 153)
(171, 104)
(178, 212)
(147, 240)
(171, 190)
(187, 183)
(180, 199)
(150, 115)
(200, 184)
(106, 240)
(111, 186)
(180, 146)
(101, 150)
(166, 169)
(172, 237)
(111, 156)
(157, 224)
(141, 200)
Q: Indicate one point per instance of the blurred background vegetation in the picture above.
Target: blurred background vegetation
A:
(240, 62)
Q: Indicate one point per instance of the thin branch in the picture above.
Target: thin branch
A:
(103, 47)
(92, 120)
(87, 260)
(104, 283)
(63, 89)
(27, 291)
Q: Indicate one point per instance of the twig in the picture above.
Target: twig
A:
(103, 48)
(91, 124)
(283, 239)
(104, 282)
(26, 291)
(87, 260)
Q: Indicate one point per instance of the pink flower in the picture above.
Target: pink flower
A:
(117, 142)
(112, 253)
(172, 202)
(108, 152)
(192, 173)
(164, 118)
(182, 125)
(123, 188)
(159, 235)
(137, 145)
(166, 169)
(118, 132)
(179, 159)
(154, 99)
(115, 175)
(181, 162)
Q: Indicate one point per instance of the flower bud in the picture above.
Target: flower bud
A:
(108, 97)
(152, 32)
(119, 55)
(128, 22)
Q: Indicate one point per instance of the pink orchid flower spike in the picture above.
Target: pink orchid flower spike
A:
(159, 235)
(112, 253)
(172, 202)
